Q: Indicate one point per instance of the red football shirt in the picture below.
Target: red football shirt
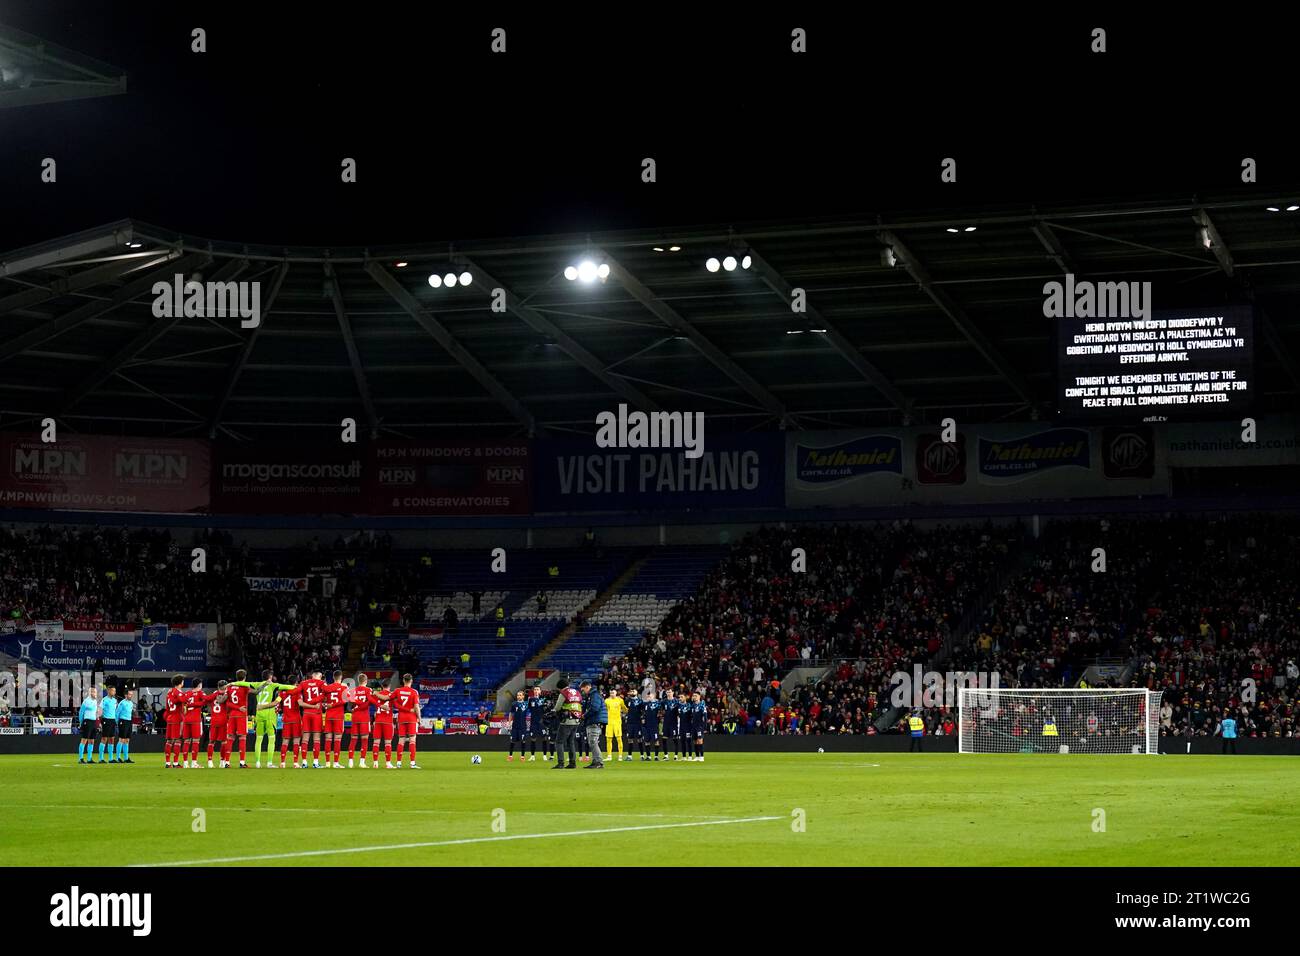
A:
(236, 699)
(175, 700)
(406, 701)
(218, 708)
(335, 697)
(384, 712)
(289, 704)
(362, 698)
(311, 693)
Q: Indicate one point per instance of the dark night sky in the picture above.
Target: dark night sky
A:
(244, 142)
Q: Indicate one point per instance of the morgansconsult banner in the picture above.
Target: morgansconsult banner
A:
(734, 471)
(104, 473)
(470, 478)
(270, 478)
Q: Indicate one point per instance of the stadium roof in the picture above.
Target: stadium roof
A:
(955, 326)
(35, 71)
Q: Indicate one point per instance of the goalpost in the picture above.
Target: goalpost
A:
(1003, 720)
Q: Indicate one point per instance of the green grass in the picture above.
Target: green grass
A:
(861, 809)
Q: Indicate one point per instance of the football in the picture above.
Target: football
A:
(821, 750)
(476, 759)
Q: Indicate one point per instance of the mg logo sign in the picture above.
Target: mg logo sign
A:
(397, 476)
(150, 466)
(49, 461)
(511, 475)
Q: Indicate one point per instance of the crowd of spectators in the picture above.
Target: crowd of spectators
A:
(870, 600)
(1204, 609)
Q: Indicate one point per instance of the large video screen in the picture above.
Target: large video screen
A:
(1174, 364)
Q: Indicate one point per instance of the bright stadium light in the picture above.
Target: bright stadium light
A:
(399, 265)
(449, 280)
(570, 273)
(466, 278)
(729, 263)
(1292, 208)
(712, 264)
(435, 280)
(587, 271)
(746, 262)
(603, 271)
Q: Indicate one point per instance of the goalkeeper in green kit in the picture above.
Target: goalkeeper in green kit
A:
(264, 716)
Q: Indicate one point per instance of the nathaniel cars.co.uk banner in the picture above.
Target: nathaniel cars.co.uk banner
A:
(104, 473)
(985, 463)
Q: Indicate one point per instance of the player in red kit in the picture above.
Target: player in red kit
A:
(362, 698)
(311, 695)
(383, 730)
(237, 716)
(291, 729)
(217, 731)
(406, 703)
(336, 693)
(193, 701)
(174, 708)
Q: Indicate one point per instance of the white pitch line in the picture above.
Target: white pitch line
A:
(492, 839)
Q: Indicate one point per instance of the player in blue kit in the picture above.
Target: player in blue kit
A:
(632, 722)
(108, 726)
(649, 727)
(518, 725)
(672, 714)
(125, 725)
(538, 715)
(698, 712)
(88, 720)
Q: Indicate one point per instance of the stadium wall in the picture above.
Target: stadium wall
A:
(66, 745)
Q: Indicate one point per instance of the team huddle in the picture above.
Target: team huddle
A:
(311, 714)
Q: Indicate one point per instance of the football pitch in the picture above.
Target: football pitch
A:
(732, 810)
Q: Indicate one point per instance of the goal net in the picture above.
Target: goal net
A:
(1000, 720)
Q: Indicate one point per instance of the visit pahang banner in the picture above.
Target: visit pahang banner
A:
(734, 471)
(104, 473)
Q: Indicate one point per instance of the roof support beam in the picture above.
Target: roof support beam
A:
(91, 310)
(141, 341)
(350, 343)
(958, 316)
(86, 278)
(544, 326)
(878, 379)
(1052, 243)
(232, 377)
(79, 244)
(670, 317)
(439, 333)
(1266, 325)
